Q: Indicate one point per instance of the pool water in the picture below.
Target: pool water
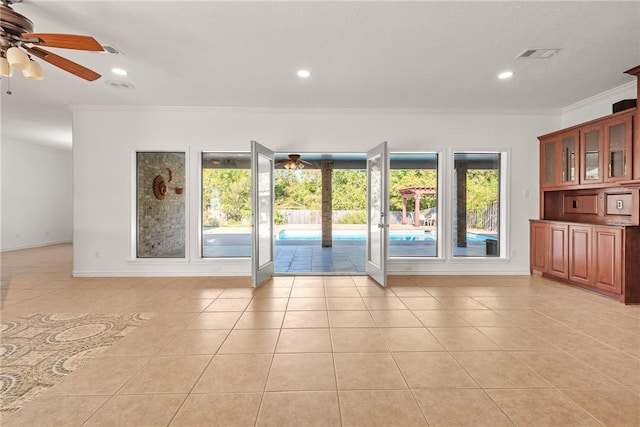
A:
(394, 235)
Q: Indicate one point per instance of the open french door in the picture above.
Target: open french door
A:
(262, 198)
(377, 212)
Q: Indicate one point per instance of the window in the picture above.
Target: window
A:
(476, 205)
(413, 205)
(226, 205)
(160, 205)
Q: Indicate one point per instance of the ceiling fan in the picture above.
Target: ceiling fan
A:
(17, 37)
(294, 162)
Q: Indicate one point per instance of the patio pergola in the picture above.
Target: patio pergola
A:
(414, 193)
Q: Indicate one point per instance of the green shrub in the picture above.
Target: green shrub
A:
(209, 220)
(280, 219)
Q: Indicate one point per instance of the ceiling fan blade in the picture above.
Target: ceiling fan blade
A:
(63, 63)
(66, 41)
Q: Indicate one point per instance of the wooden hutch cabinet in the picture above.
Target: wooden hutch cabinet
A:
(588, 233)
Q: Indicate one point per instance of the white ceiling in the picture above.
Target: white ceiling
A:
(362, 55)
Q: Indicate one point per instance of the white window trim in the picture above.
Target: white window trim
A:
(133, 206)
(505, 219)
(439, 197)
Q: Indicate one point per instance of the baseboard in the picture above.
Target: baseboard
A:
(37, 245)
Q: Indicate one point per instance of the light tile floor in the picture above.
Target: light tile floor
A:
(335, 351)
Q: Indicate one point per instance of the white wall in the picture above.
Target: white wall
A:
(106, 138)
(36, 195)
(596, 106)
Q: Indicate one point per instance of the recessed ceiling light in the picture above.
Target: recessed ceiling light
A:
(505, 75)
(304, 74)
(119, 71)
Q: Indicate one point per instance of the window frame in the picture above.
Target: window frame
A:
(504, 208)
(200, 203)
(439, 205)
(133, 208)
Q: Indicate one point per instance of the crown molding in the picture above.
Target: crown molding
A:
(311, 111)
(599, 97)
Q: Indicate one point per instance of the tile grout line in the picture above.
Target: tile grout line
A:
(273, 355)
(333, 357)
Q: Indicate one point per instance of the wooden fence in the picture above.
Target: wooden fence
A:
(310, 216)
(487, 220)
(314, 216)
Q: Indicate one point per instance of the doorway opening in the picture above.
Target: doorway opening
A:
(320, 215)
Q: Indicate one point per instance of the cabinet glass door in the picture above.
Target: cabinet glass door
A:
(569, 169)
(591, 156)
(617, 150)
(549, 163)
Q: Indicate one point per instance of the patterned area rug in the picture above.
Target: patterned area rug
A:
(37, 351)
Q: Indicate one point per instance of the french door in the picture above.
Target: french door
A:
(262, 199)
(377, 212)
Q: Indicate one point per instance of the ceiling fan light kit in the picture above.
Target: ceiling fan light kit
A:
(5, 68)
(294, 162)
(33, 72)
(19, 44)
(17, 58)
(293, 166)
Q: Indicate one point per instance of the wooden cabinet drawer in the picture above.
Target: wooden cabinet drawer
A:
(619, 204)
(581, 204)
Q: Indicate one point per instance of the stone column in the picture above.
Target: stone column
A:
(326, 168)
(416, 210)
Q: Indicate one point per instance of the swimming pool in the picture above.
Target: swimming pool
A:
(394, 235)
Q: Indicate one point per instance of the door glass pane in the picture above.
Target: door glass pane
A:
(592, 155)
(413, 198)
(375, 211)
(161, 221)
(265, 204)
(617, 153)
(550, 162)
(226, 205)
(569, 159)
(476, 205)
